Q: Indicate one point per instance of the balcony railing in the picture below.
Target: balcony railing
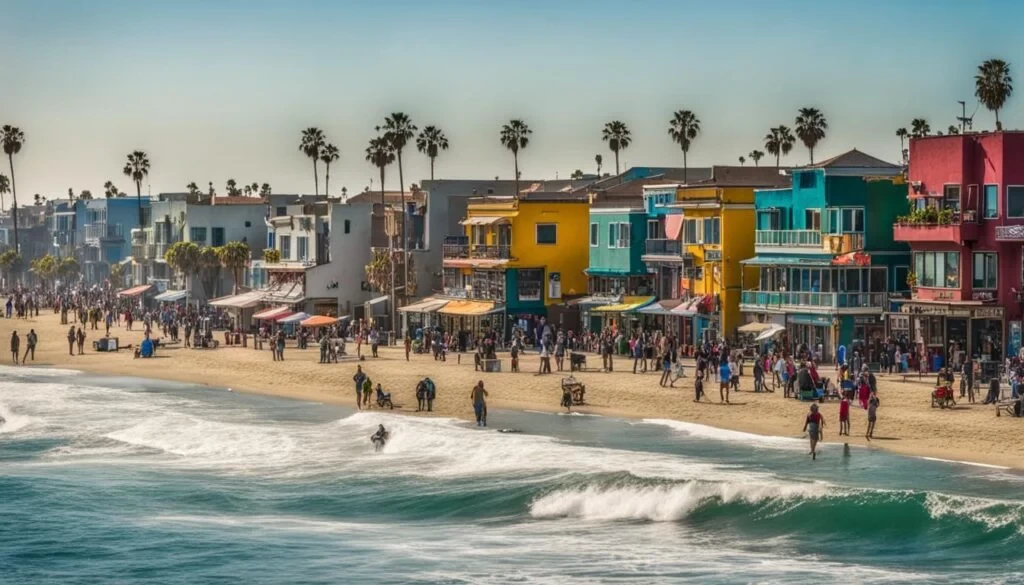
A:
(788, 238)
(457, 247)
(664, 247)
(103, 231)
(500, 251)
(830, 300)
(955, 231)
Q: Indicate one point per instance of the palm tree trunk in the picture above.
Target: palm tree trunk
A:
(431, 169)
(778, 155)
(515, 159)
(138, 200)
(811, 149)
(684, 169)
(391, 249)
(316, 180)
(14, 204)
(616, 162)
(405, 241)
(327, 180)
(999, 125)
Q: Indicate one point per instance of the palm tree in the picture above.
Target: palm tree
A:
(810, 128)
(919, 128)
(756, 156)
(598, 159)
(110, 190)
(684, 128)
(116, 276)
(952, 130)
(576, 175)
(779, 141)
(743, 161)
(380, 153)
(254, 188)
(902, 134)
(137, 168)
(431, 142)
(85, 195)
(193, 189)
(993, 86)
(5, 188)
(515, 136)
(235, 256)
(232, 187)
(312, 141)
(183, 257)
(208, 265)
(12, 139)
(618, 137)
(399, 129)
(328, 155)
(265, 190)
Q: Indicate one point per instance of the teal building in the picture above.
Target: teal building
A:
(827, 264)
(617, 238)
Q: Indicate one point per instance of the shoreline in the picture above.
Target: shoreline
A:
(907, 424)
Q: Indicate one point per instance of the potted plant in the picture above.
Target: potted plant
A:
(912, 281)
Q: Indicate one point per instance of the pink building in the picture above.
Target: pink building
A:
(966, 230)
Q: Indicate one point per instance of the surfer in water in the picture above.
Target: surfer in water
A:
(812, 426)
(380, 437)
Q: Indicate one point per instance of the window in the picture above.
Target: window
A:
(768, 220)
(531, 284)
(348, 226)
(547, 233)
(951, 197)
(986, 270)
(991, 201)
(654, 229)
(690, 230)
(302, 245)
(1015, 201)
(248, 224)
(613, 235)
(937, 269)
(286, 247)
(217, 236)
(812, 219)
(594, 235)
(197, 235)
(624, 235)
(280, 211)
(844, 220)
(270, 240)
(712, 231)
(807, 180)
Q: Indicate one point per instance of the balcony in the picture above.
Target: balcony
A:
(459, 248)
(143, 251)
(663, 250)
(787, 239)
(851, 302)
(937, 225)
(103, 232)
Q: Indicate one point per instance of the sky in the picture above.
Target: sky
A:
(221, 89)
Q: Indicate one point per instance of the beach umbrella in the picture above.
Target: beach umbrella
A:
(319, 321)
(770, 333)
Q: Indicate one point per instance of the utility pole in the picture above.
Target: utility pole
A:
(963, 116)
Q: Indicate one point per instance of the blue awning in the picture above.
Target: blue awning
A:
(788, 261)
(171, 296)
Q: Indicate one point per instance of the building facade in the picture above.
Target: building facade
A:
(966, 229)
(826, 262)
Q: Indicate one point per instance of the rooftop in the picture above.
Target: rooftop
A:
(391, 197)
(733, 176)
(855, 159)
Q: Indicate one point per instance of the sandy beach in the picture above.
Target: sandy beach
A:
(907, 424)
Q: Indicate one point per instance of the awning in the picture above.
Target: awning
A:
(474, 262)
(285, 293)
(171, 296)
(627, 305)
(852, 259)
(319, 321)
(770, 333)
(787, 261)
(481, 220)
(272, 314)
(427, 305)
(663, 308)
(134, 291)
(593, 300)
(673, 225)
(242, 301)
(470, 308)
(754, 327)
(688, 308)
(377, 300)
(300, 316)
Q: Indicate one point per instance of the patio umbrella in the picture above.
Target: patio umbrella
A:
(319, 321)
(770, 333)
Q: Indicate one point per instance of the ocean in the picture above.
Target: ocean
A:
(123, 481)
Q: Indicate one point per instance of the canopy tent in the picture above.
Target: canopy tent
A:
(689, 307)
(319, 321)
(297, 317)
(663, 308)
(627, 305)
(770, 333)
(242, 301)
(272, 314)
(470, 308)
(427, 305)
(171, 296)
(134, 291)
(287, 293)
(754, 327)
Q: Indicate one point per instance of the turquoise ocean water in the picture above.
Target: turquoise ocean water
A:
(107, 480)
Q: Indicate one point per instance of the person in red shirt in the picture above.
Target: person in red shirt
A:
(844, 416)
(813, 425)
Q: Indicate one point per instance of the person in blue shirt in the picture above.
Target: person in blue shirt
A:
(146, 349)
(724, 375)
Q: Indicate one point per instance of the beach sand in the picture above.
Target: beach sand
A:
(906, 422)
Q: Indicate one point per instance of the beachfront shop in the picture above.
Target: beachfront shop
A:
(422, 315)
(623, 316)
(949, 332)
(471, 319)
(137, 294)
(240, 307)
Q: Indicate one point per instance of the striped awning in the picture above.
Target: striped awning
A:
(134, 291)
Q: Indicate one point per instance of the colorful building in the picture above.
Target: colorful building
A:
(966, 230)
(824, 269)
(698, 234)
(518, 258)
(618, 230)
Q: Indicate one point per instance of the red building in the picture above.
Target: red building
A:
(966, 229)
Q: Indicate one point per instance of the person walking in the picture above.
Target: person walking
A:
(81, 340)
(724, 376)
(431, 393)
(408, 346)
(872, 415)
(30, 349)
(15, 346)
(359, 378)
(813, 425)
(71, 340)
(479, 396)
(638, 354)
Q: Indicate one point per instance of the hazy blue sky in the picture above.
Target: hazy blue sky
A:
(221, 89)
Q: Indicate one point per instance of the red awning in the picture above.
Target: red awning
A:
(272, 314)
(673, 225)
(852, 259)
(134, 291)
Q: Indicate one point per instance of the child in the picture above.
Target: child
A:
(698, 386)
(515, 357)
(844, 416)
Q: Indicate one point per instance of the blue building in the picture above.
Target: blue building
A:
(826, 270)
(102, 232)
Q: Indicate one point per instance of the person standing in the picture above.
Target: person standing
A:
(724, 376)
(479, 396)
(967, 379)
(280, 345)
(81, 340)
(374, 342)
(844, 415)
(421, 396)
(30, 348)
(872, 415)
(758, 375)
(359, 378)
(545, 358)
(638, 353)
(408, 346)
(15, 346)
(431, 393)
(71, 340)
(813, 425)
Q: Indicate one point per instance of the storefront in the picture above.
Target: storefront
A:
(818, 333)
(949, 332)
(623, 316)
(422, 315)
(468, 320)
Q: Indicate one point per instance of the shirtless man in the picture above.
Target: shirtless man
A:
(479, 396)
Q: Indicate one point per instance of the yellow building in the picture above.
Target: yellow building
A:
(717, 233)
(517, 257)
